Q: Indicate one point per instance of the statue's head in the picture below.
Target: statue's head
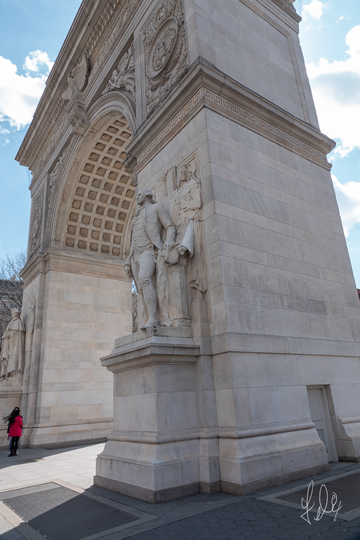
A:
(144, 195)
(15, 313)
(183, 176)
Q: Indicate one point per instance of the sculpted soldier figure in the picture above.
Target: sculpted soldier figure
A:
(13, 346)
(145, 257)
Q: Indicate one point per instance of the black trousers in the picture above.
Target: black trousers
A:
(14, 445)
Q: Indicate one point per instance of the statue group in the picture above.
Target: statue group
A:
(15, 340)
(164, 237)
(13, 347)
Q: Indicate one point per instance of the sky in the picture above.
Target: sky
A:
(33, 32)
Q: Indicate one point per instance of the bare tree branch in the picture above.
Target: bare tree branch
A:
(11, 286)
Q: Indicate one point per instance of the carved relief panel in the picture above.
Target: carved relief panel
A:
(165, 51)
(123, 77)
(36, 222)
(175, 204)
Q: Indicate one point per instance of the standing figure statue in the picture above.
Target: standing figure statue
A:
(146, 263)
(13, 346)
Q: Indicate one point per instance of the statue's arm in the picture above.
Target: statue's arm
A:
(127, 266)
(168, 225)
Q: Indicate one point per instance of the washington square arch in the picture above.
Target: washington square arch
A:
(177, 145)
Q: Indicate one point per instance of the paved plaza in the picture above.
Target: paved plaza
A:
(49, 494)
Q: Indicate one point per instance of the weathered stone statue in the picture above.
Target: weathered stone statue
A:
(187, 210)
(13, 345)
(145, 260)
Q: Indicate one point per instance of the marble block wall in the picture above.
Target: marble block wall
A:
(81, 316)
(284, 311)
(255, 43)
(279, 261)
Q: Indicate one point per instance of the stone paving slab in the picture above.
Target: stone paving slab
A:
(59, 512)
(219, 516)
(249, 520)
(341, 495)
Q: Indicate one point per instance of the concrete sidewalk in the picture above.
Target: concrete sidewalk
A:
(49, 494)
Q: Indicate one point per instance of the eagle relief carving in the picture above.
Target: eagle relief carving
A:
(165, 51)
(123, 77)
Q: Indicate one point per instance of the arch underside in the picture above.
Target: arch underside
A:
(101, 198)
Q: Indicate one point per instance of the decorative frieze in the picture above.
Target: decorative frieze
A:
(205, 97)
(287, 5)
(73, 264)
(83, 267)
(122, 13)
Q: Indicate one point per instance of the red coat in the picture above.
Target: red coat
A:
(15, 428)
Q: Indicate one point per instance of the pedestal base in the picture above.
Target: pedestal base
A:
(159, 448)
(151, 472)
(153, 452)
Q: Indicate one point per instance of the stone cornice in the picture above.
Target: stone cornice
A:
(73, 263)
(287, 6)
(150, 351)
(280, 9)
(206, 87)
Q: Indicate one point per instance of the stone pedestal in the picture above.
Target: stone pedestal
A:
(152, 453)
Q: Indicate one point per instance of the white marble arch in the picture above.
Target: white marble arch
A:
(83, 296)
(278, 310)
(115, 101)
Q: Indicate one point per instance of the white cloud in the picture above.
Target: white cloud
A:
(19, 94)
(348, 197)
(336, 91)
(6, 142)
(3, 130)
(314, 10)
(37, 60)
(340, 19)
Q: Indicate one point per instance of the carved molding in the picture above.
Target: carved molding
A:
(121, 13)
(58, 262)
(48, 138)
(205, 97)
(165, 51)
(123, 77)
(83, 267)
(287, 6)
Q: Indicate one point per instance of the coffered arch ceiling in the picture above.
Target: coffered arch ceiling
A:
(101, 199)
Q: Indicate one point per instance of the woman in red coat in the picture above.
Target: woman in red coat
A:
(15, 427)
